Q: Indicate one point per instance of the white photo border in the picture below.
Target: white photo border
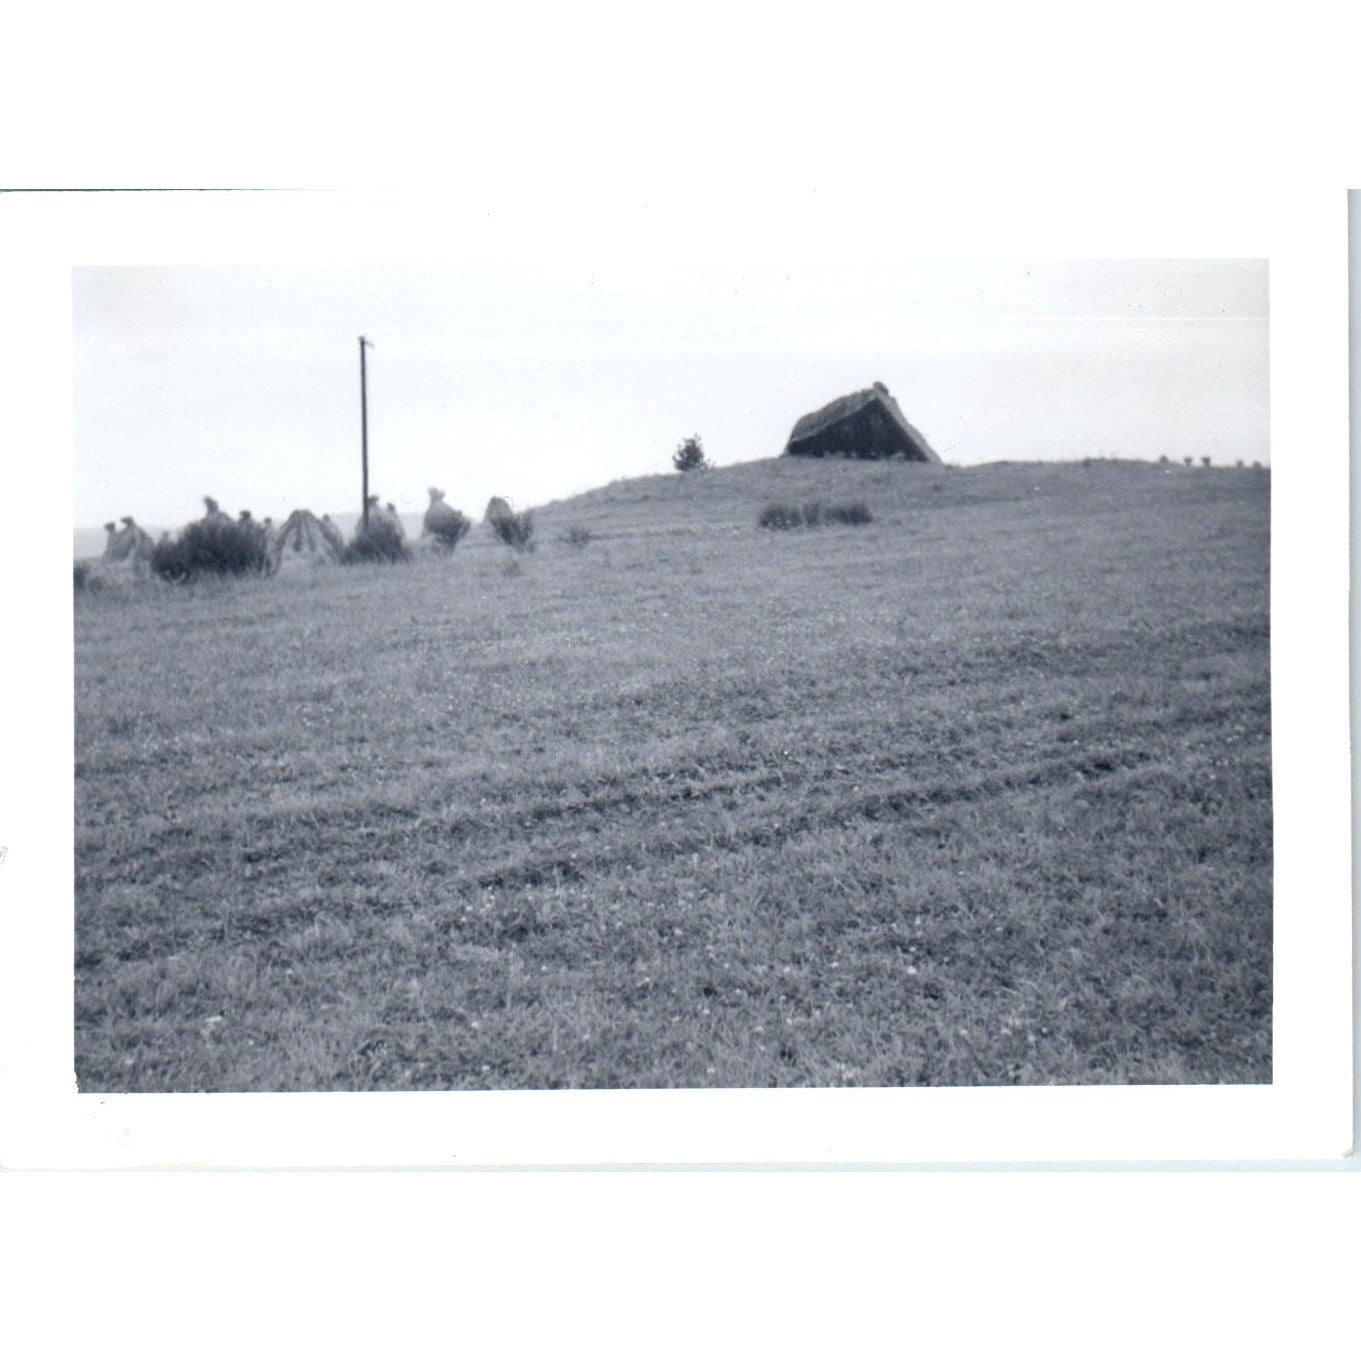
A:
(1304, 1114)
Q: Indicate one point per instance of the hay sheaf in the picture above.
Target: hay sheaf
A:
(303, 539)
(442, 522)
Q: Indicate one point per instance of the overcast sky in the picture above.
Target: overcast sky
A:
(537, 381)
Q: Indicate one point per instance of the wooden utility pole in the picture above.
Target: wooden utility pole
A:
(364, 427)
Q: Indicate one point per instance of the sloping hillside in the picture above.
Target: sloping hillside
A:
(729, 497)
(978, 792)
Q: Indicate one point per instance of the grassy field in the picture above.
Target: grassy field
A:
(977, 793)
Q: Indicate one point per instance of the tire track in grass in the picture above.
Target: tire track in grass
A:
(872, 806)
(811, 791)
(813, 785)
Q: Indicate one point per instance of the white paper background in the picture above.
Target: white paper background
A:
(1304, 1113)
(1200, 130)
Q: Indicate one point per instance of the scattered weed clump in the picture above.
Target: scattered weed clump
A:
(578, 536)
(812, 515)
(379, 542)
(515, 530)
(847, 513)
(210, 548)
(777, 515)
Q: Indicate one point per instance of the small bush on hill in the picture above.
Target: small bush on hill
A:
(812, 515)
(689, 456)
(380, 542)
(515, 530)
(210, 549)
(578, 536)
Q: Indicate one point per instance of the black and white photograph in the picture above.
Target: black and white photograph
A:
(701, 704)
(510, 675)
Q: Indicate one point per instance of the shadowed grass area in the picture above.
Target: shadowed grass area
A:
(977, 792)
